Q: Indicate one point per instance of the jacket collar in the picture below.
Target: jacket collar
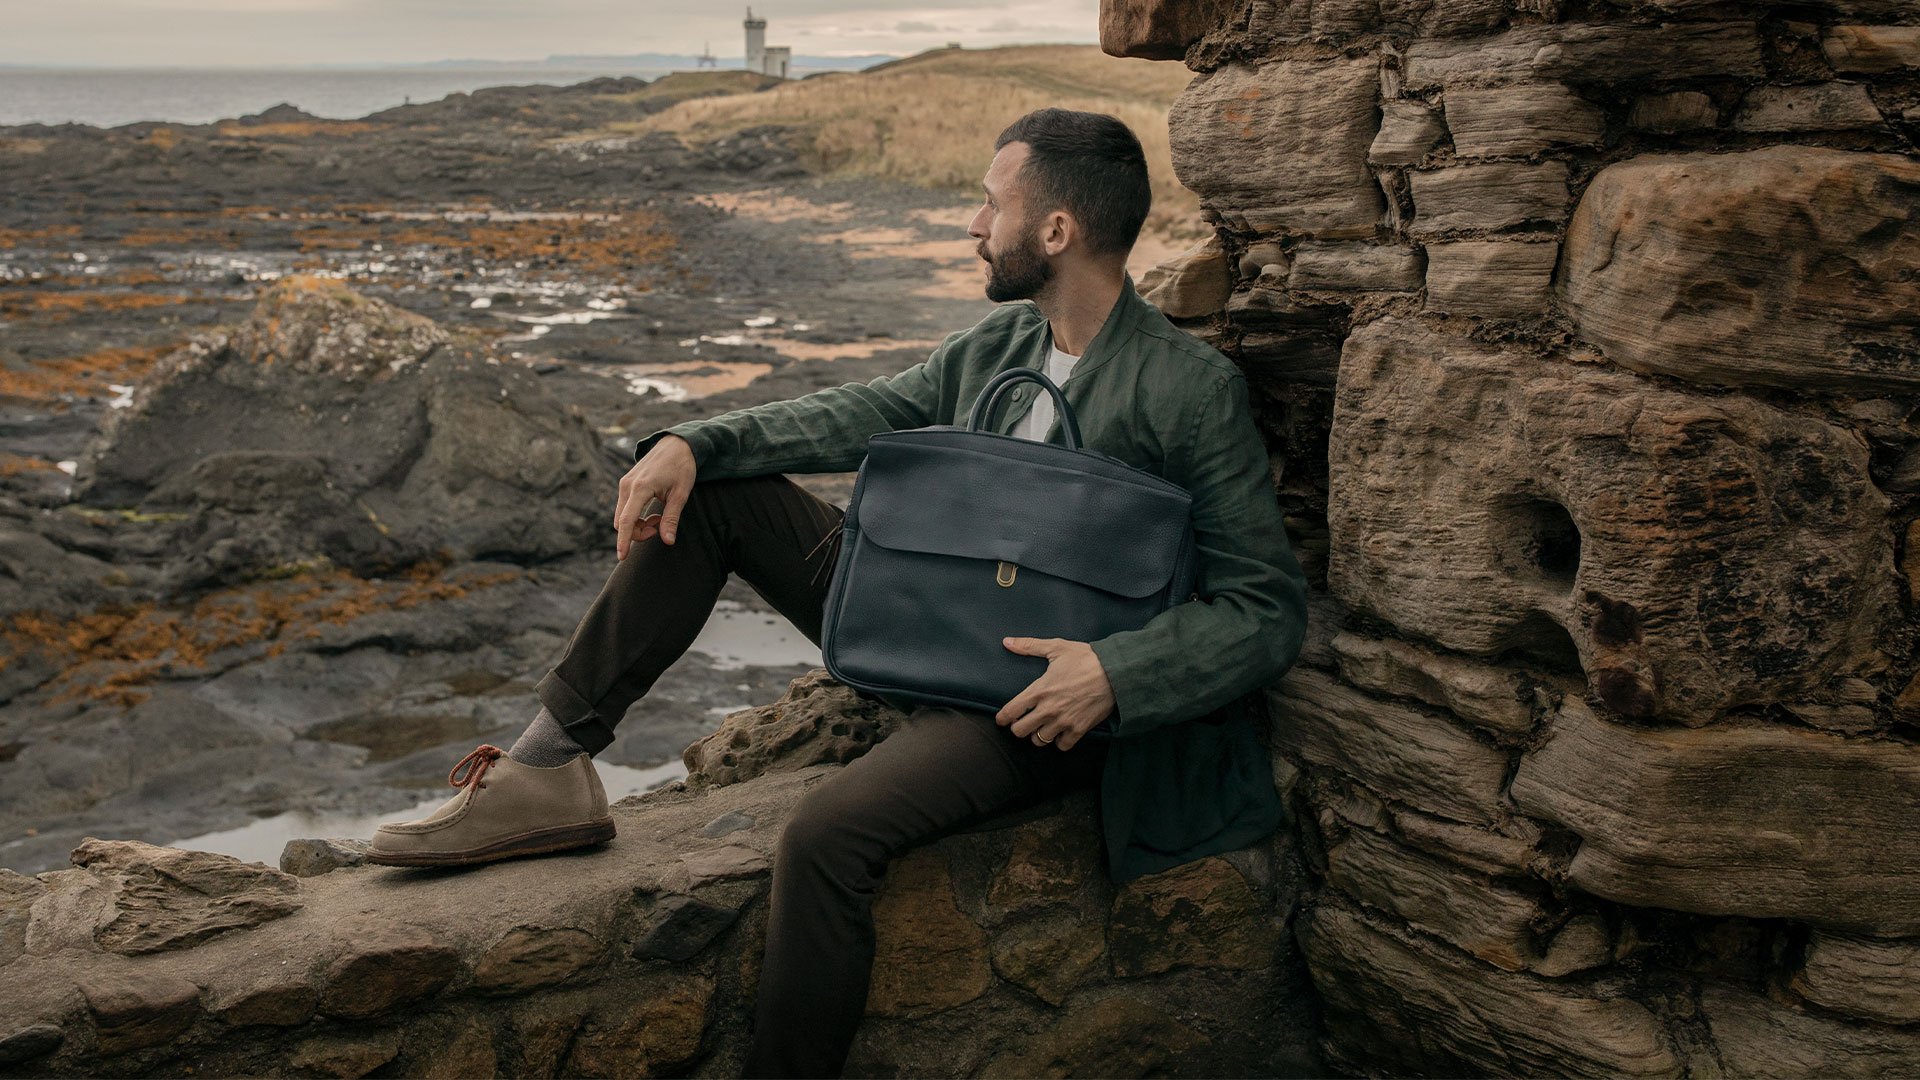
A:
(1114, 334)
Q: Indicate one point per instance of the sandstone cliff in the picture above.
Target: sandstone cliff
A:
(1586, 336)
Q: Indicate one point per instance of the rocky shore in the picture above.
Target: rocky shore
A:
(310, 430)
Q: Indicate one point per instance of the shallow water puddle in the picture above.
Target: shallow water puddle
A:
(738, 637)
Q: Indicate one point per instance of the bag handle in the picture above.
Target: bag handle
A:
(990, 395)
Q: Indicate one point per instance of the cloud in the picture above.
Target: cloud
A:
(914, 26)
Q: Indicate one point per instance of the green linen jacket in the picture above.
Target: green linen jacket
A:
(1187, 773)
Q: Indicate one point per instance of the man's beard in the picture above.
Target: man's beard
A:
(1020, 272)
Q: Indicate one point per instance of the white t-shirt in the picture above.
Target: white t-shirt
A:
(1039, 419)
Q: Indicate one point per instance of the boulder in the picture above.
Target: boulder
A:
(1878, 978)
(1282, 145)
(1821, 107)
(818, 719)
(1499, 699)
(1766, 821)
(1191, 285)
(1769, 1040)
(1871, 49)
(1488, 197)
(1396, 1003)
(1491, 279)
(352, 431)
(1585, 53)
(1681, 110)
(1518, 120)
(1787, 266)
(1687, 554)
(1414, 755)
(1409, 130)
(166, 898)
(1156, 29)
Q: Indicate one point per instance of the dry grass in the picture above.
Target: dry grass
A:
(931, 120)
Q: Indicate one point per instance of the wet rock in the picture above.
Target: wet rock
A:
(1051, 956)
(656, 1038)
(530, 957)
(1785, 266)
(311, 858)
(1878, 978)
(722, 864)
(1578, 542)
(1514, 121)
(1588, 54)
(1763, 821)
(1409, 130)
(1351, 267)
(1497, 196)
(1871, 49)
(1495, 698)
(1282, 145)
(1768, 1040)
(353, 431)
(1394, 1003)
(1191, 285)
(1822, 107)
(1117, 1035)
(1419, 758)
(817, 720)
(1682, 110)
(166, 898)
(136, 1009)
(928, 956)
(382, 965)
(680, 926)
(1198, 914)
(1491, 278)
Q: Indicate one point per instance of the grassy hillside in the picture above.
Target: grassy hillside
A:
(931, 119)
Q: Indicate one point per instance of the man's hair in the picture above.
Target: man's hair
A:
(1091, 166)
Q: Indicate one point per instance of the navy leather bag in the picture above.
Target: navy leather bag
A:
(957, 537)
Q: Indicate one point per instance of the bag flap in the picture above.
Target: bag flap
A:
(1104, 529)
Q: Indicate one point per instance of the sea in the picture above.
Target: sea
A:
(110, 97)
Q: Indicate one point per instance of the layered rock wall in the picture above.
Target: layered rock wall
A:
(1586, 341)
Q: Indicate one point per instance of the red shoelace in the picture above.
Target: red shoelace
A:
(476, 764)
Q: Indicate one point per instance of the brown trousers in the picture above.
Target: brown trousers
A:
(939, 771)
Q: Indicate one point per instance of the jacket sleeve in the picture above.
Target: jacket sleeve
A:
(1249, 623)
(825, 431)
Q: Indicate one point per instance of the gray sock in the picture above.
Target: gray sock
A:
(545, 743)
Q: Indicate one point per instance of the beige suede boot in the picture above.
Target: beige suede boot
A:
(504, 809)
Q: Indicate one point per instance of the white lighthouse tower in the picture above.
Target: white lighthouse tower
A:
(756, 43)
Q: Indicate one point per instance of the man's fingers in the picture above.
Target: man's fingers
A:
(670, 517)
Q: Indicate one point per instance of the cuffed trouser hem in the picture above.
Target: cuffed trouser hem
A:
(576, 715)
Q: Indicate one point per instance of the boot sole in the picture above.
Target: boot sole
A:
(542, 842)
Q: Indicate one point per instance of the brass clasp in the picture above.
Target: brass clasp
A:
(1005, 573)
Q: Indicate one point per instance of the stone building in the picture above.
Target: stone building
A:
(762, 58)
(1585, 337)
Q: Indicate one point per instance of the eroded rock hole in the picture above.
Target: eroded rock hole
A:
(1537, 641)
(1549, 539)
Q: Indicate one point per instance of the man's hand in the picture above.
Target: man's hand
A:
(665, 474)
(1065, 703)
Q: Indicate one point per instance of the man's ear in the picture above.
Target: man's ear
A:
(1057, 232)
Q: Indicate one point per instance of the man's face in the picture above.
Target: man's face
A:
(1008, 233)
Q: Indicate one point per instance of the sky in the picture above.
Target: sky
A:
(265, 33)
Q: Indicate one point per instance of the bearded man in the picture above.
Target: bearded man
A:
(1185, 774)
